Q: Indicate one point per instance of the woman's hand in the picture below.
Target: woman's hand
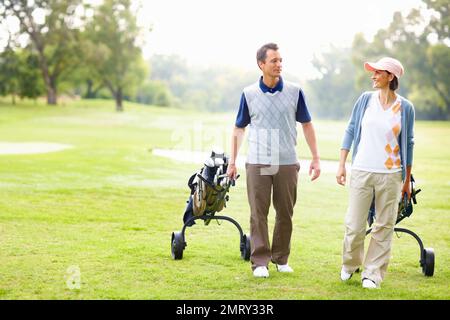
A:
(406, 188)
(341, 175)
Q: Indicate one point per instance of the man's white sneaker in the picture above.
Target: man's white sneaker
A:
(345, 275)
(369, 284)
(261, 272)
(284, 268)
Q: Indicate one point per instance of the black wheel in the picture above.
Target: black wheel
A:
(177, 246)
(428, 262)
(245, 247)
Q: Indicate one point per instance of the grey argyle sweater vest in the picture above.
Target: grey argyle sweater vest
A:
(272, 131)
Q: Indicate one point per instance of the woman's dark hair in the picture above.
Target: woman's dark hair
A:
(261, 54)
(393, 85)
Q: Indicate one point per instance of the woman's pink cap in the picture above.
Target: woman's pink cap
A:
(389, 64)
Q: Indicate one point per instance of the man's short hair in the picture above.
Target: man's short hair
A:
(261, 54)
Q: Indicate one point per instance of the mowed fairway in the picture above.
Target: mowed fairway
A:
(107, 207)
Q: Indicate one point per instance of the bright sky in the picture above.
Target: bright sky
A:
(208, 32)
(217, 32)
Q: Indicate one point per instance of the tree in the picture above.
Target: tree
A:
(440, 20)
(114, 53)
(9, 73)
(19, 73)
(432, 95)
(52, 29)
(333, 94)
(172, 70)
(30, 80)
(154, 92)
(423, 48)
(215, 88)
(85, 80)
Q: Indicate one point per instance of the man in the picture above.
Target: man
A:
(271, 107)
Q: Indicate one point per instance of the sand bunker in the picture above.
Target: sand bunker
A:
(31, 147)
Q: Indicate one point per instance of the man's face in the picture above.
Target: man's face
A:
(272, 66)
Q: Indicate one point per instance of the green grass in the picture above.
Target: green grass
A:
(109, 206)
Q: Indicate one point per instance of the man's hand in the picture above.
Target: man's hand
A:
(341, 175)
(310, 136)
(236, 140)
(315, 166)
(232, 171)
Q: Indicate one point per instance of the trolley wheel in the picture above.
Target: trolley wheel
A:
(245, 247)
(177, 245)
(428, 262)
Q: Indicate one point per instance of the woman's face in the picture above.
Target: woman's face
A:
(381, 79)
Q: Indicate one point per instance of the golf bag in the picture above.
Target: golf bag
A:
(405, 206)
(209, 188)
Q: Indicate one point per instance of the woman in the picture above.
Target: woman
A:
(381, 131)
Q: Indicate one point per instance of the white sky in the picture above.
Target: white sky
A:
(229, 32)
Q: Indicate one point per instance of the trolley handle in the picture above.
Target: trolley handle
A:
(413, 195)
(233, 182)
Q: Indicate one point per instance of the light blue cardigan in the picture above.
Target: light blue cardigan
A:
(406, 137)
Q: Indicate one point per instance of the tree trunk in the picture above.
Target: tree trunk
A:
(49, 84)
(91, 91)
(118, 96)
(51, 96)
(89, 94)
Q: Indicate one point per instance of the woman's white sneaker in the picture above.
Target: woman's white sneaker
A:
(345, 275)
(261, 272)
(369, 284)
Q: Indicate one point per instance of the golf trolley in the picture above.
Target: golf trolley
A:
(209, 188)
(405, 210)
